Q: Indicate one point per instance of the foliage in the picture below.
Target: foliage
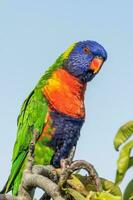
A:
(128, 194)
(123, 134)
(70, 184)
(125, 160)
(81, 188)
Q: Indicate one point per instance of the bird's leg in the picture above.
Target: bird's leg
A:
(65, 165)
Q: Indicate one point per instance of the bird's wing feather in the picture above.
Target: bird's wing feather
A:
(32, 117)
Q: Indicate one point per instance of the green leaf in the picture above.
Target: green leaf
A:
(124, 161)
(87, 182)
(123, 134)
(83, 184)
(111, 187)
(76, 184)
(102, 196)
(128, 194)
(76, 195)
(130, 162)
(82, 187)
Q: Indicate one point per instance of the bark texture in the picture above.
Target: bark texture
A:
(49, 179)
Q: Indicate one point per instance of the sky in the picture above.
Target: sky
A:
(33, 34)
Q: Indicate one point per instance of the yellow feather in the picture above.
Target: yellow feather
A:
(53, 82)
(68, 51)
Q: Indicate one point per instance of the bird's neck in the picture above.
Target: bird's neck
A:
(65, 93)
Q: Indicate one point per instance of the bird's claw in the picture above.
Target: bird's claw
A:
(65, 163)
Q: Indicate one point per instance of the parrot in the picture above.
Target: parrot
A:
(55, 109)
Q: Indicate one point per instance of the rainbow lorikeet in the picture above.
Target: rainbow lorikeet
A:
(55, 109)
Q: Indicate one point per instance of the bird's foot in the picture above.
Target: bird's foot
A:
(65, 167)
(64, 163)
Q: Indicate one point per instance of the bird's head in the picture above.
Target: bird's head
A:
(84, 59)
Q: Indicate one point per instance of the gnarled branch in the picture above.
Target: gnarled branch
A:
(44, 177)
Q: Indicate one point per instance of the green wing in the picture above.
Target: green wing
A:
(32, 117)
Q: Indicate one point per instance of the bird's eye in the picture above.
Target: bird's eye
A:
(86, 50)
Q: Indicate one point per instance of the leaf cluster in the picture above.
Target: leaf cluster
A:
(125, 159)
(81, 188)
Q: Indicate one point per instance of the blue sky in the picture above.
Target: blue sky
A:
(33, 34)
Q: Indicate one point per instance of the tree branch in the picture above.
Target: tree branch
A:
(44, 177)
(81, 164)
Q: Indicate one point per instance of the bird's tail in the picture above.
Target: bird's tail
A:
(15, 176)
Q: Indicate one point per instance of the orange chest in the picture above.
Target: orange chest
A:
(65, 94)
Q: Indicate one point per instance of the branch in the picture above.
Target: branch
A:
(77, 165)
(49, 179)
(42, 177)
(36, 180)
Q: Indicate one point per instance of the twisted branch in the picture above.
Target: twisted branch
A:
(44, 177)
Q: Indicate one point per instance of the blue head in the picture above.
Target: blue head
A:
(85, 60)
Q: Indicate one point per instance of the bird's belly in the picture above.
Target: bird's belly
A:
(59, 135)
(67, 132)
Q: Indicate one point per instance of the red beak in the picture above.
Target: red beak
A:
(96, 64)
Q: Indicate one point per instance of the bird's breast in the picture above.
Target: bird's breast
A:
(65, 94)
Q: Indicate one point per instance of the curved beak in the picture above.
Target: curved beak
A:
(96, 64)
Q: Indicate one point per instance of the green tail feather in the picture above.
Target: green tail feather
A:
(16, 174)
